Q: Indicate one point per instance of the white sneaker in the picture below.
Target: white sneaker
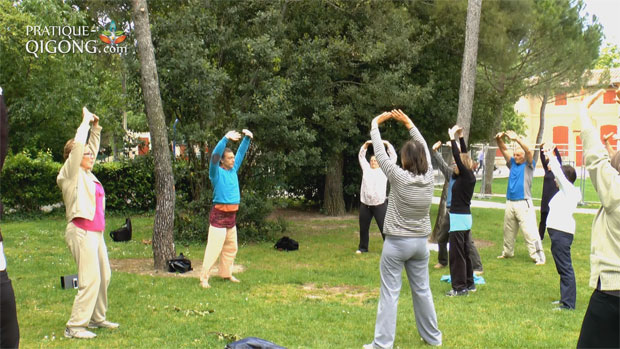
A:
(79, 334)
(368, 346)
(103, 324)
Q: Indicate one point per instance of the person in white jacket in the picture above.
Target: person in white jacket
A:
(84, 200)
(372, 193)
(561, 227)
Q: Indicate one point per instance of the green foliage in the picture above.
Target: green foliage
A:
(610, 57)
(129, 184)
(548, 52)
(45, 93)
(29, 181)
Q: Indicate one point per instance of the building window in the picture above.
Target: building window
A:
(608, 97)
(560, 99)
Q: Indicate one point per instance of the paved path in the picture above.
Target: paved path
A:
(501, 205)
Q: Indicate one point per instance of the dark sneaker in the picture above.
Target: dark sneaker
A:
(472, 288)
(453, 293)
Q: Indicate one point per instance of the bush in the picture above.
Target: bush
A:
(30, 182)
(192, 218)
(129, 184)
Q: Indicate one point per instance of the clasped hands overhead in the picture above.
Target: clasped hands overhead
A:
(395, 114)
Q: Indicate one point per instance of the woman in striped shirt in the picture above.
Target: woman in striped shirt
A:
(407, 226)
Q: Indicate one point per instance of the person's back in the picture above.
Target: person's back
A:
(409, 204)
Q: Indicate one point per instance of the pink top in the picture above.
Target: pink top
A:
(98, 222)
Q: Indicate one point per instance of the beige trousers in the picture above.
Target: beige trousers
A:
(222, 243)
(91, 255)
(522, 214)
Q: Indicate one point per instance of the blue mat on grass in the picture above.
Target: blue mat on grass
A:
(478, 280)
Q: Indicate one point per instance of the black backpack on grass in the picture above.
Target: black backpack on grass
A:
(123, 233)
(286, 244)
(179, 264)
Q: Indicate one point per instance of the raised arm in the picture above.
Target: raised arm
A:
(456, 154)
(94, 139)
(361, 156)
(502, 146)
(563, 183)
(543, 158)
(243, 148)
(71, 166)
(391, 151)
(557, 155)
(604, 177)
(377, 143)
(610, 149)
(443, 167)
(529, 156)
(413, 132)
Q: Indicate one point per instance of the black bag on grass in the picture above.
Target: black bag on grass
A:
(123, 233)
(286, 244)
(179, 264)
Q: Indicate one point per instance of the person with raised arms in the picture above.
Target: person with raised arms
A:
(601, 323)
(520, 211)
(372, 194)
(407, 227)
(84, 200)
(222, 235)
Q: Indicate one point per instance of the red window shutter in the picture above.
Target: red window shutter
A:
(608, 97)
(560, 99)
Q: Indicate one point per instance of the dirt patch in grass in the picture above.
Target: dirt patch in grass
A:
(483, 243)
(357, 294)
(145, 266)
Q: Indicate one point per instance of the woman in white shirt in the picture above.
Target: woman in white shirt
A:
(372, 193)
(561, 227)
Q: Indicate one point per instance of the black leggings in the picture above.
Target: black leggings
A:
(601, 322)
(366, 214)
(9, 329)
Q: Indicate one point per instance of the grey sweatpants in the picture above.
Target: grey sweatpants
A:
(411, 253)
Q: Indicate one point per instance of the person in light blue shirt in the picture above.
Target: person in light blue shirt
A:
(222, 237)
(520, 212)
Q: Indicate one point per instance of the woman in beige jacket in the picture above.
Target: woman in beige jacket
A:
(84, 200)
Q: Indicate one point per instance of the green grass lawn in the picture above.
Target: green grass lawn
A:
(322, 296)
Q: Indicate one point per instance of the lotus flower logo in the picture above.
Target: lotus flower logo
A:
(112, 36)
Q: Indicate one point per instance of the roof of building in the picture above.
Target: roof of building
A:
(599, 76)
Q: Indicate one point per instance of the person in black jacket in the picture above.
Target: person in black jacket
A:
(9, 328)
(461, 270)
(549, 189)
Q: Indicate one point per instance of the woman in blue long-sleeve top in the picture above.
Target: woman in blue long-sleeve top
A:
(222, 236)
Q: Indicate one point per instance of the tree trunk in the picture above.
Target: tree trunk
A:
(163, 240)
(468, 69)
(541, 127)
(441, 213)
(333, 196)
(489, 157)
(466, 93)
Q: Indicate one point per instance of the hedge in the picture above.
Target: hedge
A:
(29, 182)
